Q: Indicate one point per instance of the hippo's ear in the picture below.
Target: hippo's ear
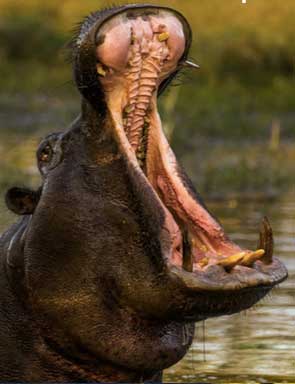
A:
(22, 201)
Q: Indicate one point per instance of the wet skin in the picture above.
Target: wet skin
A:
(115, 256)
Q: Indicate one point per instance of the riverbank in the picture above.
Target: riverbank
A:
(220, 166)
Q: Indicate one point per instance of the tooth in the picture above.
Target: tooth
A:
(187, 259)
(163, 36)
(100, 70)
(128, 109)
(250, 258)
(191, 64)
(140, 155)
(202, 263)
(232, 260)
(266, 240)
(204, 248)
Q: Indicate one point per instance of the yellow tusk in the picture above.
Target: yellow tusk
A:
(232, 260)
(250, 258)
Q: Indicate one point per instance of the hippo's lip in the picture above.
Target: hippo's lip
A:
(136, 52)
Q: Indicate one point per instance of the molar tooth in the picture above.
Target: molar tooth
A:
(129, 108)
(250, 258)
(202, 263)
(140, 155)
(100, 70)
(204, 248)
(232, 260)
(163, 36)
(266, 240)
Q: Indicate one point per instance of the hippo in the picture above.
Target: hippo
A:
(115, 257)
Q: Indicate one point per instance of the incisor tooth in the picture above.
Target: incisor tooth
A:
(250, 258)
(232, 260)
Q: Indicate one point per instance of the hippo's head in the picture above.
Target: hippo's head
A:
(120, 254)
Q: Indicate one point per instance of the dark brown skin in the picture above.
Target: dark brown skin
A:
(93, 287)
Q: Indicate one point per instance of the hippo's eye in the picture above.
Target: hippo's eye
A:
(45, 155)
(49, 153)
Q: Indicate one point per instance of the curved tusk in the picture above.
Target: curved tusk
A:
(266, 240)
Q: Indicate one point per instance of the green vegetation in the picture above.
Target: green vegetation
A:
(232, 122)
(247, 57)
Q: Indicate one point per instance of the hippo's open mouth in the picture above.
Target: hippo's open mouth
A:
(137, 50)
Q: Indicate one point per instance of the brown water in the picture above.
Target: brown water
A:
(253, 347)
(257, 346)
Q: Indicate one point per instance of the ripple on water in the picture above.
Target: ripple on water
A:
(253, 347)
(259, 346)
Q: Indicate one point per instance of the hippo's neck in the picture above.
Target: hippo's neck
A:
(28, 355)
(98, 372)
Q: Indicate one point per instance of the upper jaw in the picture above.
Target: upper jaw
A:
(145, 58)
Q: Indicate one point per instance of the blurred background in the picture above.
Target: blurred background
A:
(231, 123)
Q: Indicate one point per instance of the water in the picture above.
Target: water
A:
(257, 346)
(253, 347)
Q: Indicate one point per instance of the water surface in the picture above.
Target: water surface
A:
(257, 346)
(253, 347)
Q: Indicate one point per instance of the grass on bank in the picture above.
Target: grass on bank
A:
(247, 57)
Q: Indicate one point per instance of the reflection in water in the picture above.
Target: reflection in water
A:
(253, 347)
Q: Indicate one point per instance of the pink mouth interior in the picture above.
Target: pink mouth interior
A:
(135, 53)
